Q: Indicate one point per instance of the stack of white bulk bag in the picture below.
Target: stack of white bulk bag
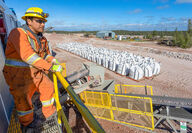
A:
(122, 62)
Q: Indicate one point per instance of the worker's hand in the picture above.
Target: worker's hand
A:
(55, 62)
(56, 68)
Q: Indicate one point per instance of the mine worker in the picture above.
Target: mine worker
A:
(28, 61)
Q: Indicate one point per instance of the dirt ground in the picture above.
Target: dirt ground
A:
(175, 78)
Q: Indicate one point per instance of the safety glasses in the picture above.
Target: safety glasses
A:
(39, 21)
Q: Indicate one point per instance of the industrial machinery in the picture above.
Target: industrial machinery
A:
(130, 105)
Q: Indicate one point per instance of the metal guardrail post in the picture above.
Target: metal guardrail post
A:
(61, 114)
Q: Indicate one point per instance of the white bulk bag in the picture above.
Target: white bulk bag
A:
(136, 73)
(100, 61)
(97, 60)
(148, 71)
(126, 69)
(107, 61)
(94, 58)
(111, 62)
(104, 59)
(89, 57)
(157, 68)
(115, 65)
(120, 68)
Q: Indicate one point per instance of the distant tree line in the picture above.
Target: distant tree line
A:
(119, 32)
(73, 32)
(145, 33)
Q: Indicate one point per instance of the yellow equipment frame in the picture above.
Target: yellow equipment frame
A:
(112, 108)
(136, 86)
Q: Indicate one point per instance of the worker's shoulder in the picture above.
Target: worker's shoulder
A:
(17, 30)
(17, 33)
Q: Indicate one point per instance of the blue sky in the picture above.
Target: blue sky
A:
(110, 14)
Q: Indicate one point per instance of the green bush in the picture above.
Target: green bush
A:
(182, 39)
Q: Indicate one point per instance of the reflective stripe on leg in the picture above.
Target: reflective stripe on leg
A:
(22, 113)
(47, 102)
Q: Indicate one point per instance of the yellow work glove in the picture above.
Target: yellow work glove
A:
(55, 62)
(56, 68)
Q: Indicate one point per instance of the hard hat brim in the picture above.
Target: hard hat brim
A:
(33, 15)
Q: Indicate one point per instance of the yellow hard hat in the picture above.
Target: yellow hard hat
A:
(35, 12)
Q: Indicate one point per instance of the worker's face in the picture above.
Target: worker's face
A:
(37, 24)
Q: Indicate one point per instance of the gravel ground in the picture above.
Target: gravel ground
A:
(175, 76)
(174, 79)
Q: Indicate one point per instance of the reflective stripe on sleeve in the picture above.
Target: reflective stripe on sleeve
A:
(22, 113)
(47, 57)
(48, 102)
(33, 58)
(15, 63)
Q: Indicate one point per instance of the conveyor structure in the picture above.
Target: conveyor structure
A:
(166, 110)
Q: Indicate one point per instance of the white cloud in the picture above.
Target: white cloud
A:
(165, 23)
(164, 1)
(184, 19)
(183, 1)
(161, 1)
(128, 26)
(163, 7)
(168, 19)
(135, 11)
(133, 24)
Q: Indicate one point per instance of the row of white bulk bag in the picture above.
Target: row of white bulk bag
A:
(122, 62)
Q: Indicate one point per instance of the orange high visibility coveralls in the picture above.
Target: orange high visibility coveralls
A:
(25, 72)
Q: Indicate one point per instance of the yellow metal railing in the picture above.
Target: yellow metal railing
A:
(133, 89)
(64, 72)
(89, 118)
(131, 110)
(60, 114)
